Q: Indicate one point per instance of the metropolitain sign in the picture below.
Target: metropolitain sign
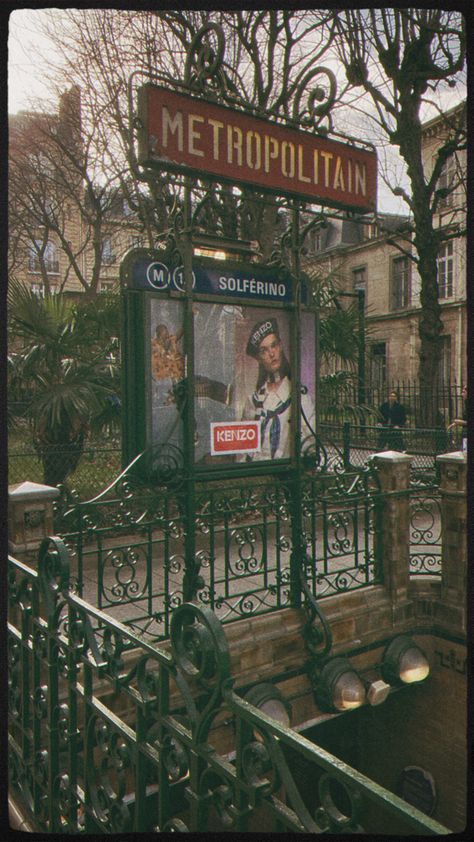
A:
(183, 133)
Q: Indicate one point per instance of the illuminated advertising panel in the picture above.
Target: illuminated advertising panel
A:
(242, 380)
(177, 131)
(242, 351)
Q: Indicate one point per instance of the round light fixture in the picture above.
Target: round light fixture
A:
(339, 687)
(404, 662)
(270, 700)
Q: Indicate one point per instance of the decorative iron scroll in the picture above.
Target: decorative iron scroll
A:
(204, 62)
(318, 638)
(206, 73)
(425, 531)
(320, 100)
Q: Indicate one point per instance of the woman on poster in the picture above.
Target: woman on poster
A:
(271, 401)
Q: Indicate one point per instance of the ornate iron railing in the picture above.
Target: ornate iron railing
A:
(111, 734)
(425, 531)
(129, 545)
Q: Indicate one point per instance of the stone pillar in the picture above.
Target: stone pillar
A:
(394, 472)
(453, 483)
(30, 516)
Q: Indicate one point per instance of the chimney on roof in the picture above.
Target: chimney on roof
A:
(70, 115)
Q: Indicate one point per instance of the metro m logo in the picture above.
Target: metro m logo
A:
(158, 275)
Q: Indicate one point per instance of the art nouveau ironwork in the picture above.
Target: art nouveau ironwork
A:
(110, 734)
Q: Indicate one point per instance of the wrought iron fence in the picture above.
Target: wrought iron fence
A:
(359, 441)
(111, 734)
(440, 403)
(425, 532)
(129, 552)
(97, 466)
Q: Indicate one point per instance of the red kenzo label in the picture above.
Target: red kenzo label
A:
(235, 437)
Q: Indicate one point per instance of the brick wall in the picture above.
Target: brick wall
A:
(423, 726)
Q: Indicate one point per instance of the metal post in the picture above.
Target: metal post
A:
(346, 443)
(295, 332)
(189, 419)
(361, 356)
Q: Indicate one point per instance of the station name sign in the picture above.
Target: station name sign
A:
(150, 271)
(181, 132)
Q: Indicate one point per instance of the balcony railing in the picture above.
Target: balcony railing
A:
(51, 266)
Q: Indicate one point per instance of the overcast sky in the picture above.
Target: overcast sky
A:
(25, 67)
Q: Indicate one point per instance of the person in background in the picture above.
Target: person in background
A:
(393, 420)
(462, 422)
(271, 401)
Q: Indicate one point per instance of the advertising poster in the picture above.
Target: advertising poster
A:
(242, 380)
(167, 371)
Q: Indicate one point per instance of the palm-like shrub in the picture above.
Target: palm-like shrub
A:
(64, 360)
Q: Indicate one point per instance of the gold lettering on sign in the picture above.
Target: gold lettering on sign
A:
(172, 126)
(315, 166)
(288, 159)
(234, 143)
(339, 176)
(301, 176)
(270, 151)
(194, 135)
(327, 159)
(360, 179)
(254, 142)
(216, 127)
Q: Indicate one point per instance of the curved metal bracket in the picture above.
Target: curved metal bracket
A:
(320, 100)
(318, 640)
(204, 60)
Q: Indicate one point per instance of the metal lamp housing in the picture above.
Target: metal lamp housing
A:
(404, 662)
(270, 700)
(339, 687)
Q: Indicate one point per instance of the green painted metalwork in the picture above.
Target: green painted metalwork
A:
(129, 545)
(242, 539)
(111, 734)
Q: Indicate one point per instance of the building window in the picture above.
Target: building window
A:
(445, 271)
(359, 278)
(372, 231)
(108, 257)
(400, 283)
(37, 289)
(134, 241)
(378, 365)
(50, 258)
(445, 184)
(444, 368)
(314, 240)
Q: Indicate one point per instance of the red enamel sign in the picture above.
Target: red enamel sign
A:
(180, 132)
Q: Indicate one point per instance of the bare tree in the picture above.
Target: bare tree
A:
(270, 60)
(61, 193)
(404, 59)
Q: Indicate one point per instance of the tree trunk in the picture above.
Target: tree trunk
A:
(426, 241)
